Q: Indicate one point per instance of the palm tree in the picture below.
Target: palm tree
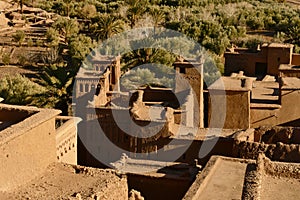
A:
(107, 26)
(66, 27)
(293, 35)
(136, 9)
(158, 18)
(139, 57)
(19, 90)
(57, 80)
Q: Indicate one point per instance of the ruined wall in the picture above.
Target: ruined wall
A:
(289, 73)
(277, 152)
(115, 130)
(26, 149)
(237, 113)
(295, 59)
(272, 135)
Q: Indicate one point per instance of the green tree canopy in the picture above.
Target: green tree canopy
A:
(19, 90)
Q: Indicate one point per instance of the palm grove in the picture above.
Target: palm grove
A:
(84, 24)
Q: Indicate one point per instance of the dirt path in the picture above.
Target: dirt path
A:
(226, 182)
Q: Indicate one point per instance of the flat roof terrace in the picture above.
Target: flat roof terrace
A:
(63, 181)
(233, 178)
(265, 94)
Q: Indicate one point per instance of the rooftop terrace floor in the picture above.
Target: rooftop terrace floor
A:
(286, 188)
(265, 92)
(61, 181)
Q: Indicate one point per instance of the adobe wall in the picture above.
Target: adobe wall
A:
(216, 146)
(187, 76)
(14, 114)
(272, 135)
(235, 62)
(295, 59)
(66, 140)
(289, 73)
(271, 117)
(102, 124)
(160, 95)
(27, 148)
(264, 117)
(237, 114)
(84, 86)
(159, 188)
(273, 56)
(277, 152)
(277, 56)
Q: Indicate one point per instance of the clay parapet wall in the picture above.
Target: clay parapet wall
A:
(66, 140)
(27, 147)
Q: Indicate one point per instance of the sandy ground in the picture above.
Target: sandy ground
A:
(226, 182)
(274, 188)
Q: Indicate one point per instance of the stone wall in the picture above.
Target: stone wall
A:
(289, 73)
(277, 152)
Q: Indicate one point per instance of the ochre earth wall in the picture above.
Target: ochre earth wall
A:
(66, 140)
(296, 59)
(27, 155)
(272, 117)
(272, 56)
(237, 113)
(277, 56)
(235, 62)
